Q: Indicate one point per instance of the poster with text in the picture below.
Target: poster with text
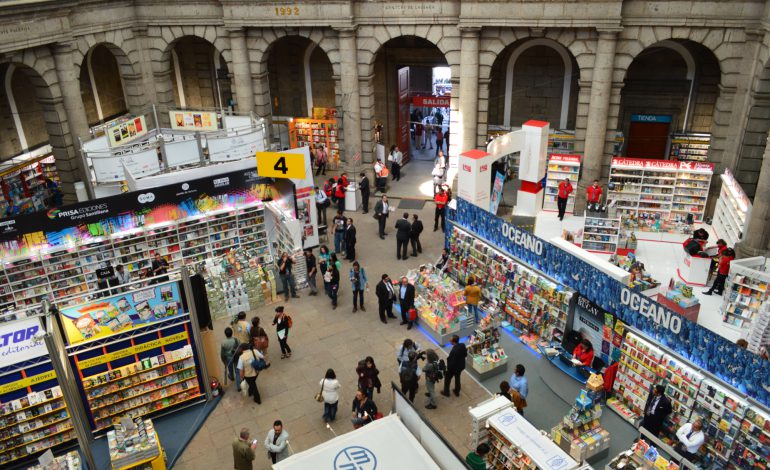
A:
(126, 131)
(104, 317)
(497, 192)
(193, 121)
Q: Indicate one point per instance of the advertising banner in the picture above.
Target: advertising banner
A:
(235, 147)
(110, 169)
(182, 152)
(193, 120)
(21, 341)
(119, 313)
(126, 131)
(497, 192)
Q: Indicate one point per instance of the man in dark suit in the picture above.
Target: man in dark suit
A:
(403, 234)
(385, 296)
(656, 409)
(381, 212)
(363, 185)
(406, 300)
(417, 229)
(455, 365)
(350, 241)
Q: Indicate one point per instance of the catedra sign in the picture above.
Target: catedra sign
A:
(524, 239)
(653, 311)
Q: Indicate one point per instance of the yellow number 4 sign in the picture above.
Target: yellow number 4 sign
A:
(281, 165)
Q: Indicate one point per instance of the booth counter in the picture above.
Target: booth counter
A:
(693, 270)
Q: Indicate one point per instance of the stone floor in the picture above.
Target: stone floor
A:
(324, 338)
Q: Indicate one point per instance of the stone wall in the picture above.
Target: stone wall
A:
(30, 111)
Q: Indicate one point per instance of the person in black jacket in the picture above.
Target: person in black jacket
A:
(350, 241)
(403, 234)
(656, 409)
(381, 212)
(455, 365)
(406, 300)
(385, 296)
(415, 235)
(363, 185)
(364, 409)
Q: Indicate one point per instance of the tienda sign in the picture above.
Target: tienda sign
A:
(431, 101)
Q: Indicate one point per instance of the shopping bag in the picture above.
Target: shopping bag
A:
(245, 389)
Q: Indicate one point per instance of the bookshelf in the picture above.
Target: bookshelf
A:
(600, 233)
(732, 211)
(690, 147)
(745, 293)
(560, 166)
(314, 132)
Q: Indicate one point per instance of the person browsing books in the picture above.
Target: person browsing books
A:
(691, 438)
(584, 352)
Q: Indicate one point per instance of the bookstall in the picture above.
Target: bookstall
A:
(440, 305)
(746, 290)
(649, 453)
(135, 444)
(690, 147)
(600, 234)
(481, 413)
(29, 186)
(485, 354)
(315, 132)
(733, 210)
(560, 166)
(580, 433)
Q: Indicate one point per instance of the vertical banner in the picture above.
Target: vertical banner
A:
(497, 192)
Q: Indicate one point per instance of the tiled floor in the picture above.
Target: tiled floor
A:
(324, 338)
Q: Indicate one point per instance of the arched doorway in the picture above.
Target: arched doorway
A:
(670, 89)
(20, 110)
(406, 71)
(200, 76)
(101, 85)
(534, 79)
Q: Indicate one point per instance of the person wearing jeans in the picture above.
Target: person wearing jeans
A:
(285, 265)
(472, 298)
(282, 325)
(330, 391)
(360, 282)
(249, 373)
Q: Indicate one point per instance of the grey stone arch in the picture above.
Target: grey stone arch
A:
(259, 44)
(134, 98)
(38, 67)
(371, 39)
(162, 40)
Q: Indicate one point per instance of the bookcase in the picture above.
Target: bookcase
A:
(752, 443)
(560, 166)
(732, 211)
(600, 233)
(638, 371)
(314, 132)
(746, 290)
(690, 147)
(23, 185)
(722, 412)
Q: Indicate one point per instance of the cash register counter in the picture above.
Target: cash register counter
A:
(561, 376)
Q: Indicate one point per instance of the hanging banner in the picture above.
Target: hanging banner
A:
(21, 341)
(124, 312)
(193, 120)
(236, 147)
(126, 131)
(110, 169)
(497, 192)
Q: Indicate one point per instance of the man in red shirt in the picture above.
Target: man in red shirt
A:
(593, 196)
(722, 271)
(441, 200)
(565, 189)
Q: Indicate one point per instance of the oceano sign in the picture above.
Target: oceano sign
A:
(655, 312)
(524, 239)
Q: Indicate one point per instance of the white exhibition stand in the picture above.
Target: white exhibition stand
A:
(385, 443)
(597, 262)
(693, 270)
(352, 199)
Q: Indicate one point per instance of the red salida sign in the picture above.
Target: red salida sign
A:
(431, 101)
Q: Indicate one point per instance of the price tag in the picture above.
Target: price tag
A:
(46, 460)
(281, 165)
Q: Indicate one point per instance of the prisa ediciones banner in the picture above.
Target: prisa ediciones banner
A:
(21, 341)
(124, 312)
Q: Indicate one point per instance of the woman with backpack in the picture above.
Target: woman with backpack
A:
(259, 338)
(283, 324)
(368, 376)
(409, 376)
(433, 374)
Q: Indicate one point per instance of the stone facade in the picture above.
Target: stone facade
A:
(728, 42)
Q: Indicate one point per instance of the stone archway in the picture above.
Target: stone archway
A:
(199, 74)
(101, 82)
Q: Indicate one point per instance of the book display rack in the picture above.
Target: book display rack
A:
(485, 354)
(752, 444)
(745, 293)
(600, 234)
(560, 166)
(315, 132)
(580, 433)
(732, 212)
(690, 147)
(135, 444)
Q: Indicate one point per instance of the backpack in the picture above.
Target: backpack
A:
(692, 247)
(257, 363)
(289, 321)
(408, 372)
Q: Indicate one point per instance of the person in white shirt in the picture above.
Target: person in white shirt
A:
(395, 158)
(122, 276)
(321, 203)
(690, 437)
(330, 391)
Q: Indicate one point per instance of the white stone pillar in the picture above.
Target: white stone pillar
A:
(244, 92)
(598, 108)
(351, 100)
(69, 83)
(756, 240)
(469, 88)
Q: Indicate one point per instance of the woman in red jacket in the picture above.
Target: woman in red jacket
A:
(722, 271)
(584, 352)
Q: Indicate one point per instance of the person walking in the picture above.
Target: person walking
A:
(406, 301)
(246, 368)
(285, 265)
(395, 157)
(414, 236)
(227, 352)
(441, 200)
(403, 234)
(433, 374)
(565, 189)
(243, 451)
(350, 240)
(330, 392)
(385, 297)
(321, 204)
(360, 282)
(241, 328)
(323, 258)
(656, 409)
(418, 131)
(363, 186)
(368, 376)
(409, 375)
(364, 409)
(332, 282)
(439, 139)
(428, 122)
(277, 442)
(402, 352)
(455, 365)
(437, 173)
(312, 271)
(723, 269)
(283, 324)
(339, 223)
(519, 388)
(381, 212)
(259, 339)
(321, 159)
(472, 297)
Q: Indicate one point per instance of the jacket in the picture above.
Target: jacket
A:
(243, 455)
(241, 331)
(330, 389)
(565, 189)
(363, 185)
(350, 234)
(654, 421)
(379, 209)
(441, 200)
(281, 447)
(472, 294)
(368, 377)
(227, 349)
(403, 229)
(383, 294)
(594, 194)
(365, 411)
(362, 279)
(456, 360)
(408, 300)
(586, 357)
(724, 265)
(417, 228)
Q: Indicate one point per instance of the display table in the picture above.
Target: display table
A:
(138, 446)
(68, 461)
(693, 269)
(485, 356)
(440, 306)
(648, 453)
(691, 312)
(580, 433)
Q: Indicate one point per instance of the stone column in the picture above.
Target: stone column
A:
(598, 108)
(145, 63)
(351, 100)
(756, 240)
(469, 88)
(241, 72)
(69, 83)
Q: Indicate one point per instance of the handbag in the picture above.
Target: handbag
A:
(261, 343)
(319, 397)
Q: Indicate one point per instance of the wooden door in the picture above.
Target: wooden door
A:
(648, 140)
(403, 112)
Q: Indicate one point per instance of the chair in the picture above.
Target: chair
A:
(597, 364)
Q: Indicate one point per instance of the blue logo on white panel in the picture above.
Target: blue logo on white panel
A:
(507, 419)
(355, 458)
(557, 462)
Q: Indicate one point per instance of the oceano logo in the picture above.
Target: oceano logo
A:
(524, 239)
(658, 314)
(145, 198)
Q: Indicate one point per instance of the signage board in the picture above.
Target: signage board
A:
(125, 131)
(659, 118)
(21, 341)
(431, 101)
(281, 165)
(193, 120)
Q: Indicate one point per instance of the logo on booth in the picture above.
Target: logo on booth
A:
(466, 167)
(219, 182)
(507, 419)
(355, 458)
(557, 462)
(524, 239)
(653, 311)
(53, 213)
(185, 187)
(146, 198)
(484, 168)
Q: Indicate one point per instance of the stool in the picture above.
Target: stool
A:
(322, 237)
